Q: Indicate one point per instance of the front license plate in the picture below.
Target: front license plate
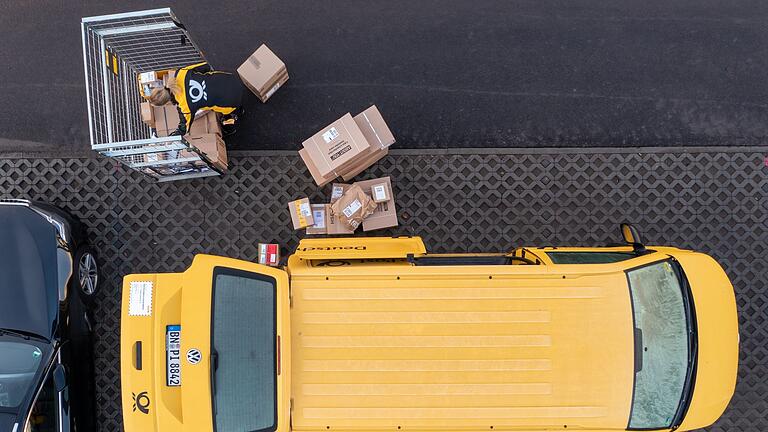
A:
(173, 355)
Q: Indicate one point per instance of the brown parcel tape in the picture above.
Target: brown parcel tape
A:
(353, 207)
(319, 219)
(213, 147)
(333, 224)
(301, 213)
(261, 70)
(385, 215)
(337, 147)
(320, 180)
(147, 114)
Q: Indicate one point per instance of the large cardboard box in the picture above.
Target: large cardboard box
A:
(213, 147)
(385, 215)
(166, 119)
(263, 73)
(313, 171)
(336, 147)
(333, 225)
(205, 123)
(319, 218)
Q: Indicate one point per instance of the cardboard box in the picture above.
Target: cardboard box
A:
(166, 119)
(380, 192)
(336, 147)
(263, 73)
(333, 224)
(353, 207)
(337, 191)
(147, 114)
(301, 213)
(364, 164)
(385, 215)
(318, 216)
(319, 179)
(213, 147)
(269, 254)
(205, 123)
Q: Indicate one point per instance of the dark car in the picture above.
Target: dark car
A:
(48, 278)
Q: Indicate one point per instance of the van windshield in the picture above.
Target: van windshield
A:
(244, 341)
(662, 334)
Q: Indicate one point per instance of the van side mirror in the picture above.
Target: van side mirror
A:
(632, 237)
(60, 378)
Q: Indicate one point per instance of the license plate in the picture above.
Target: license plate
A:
(173, 355)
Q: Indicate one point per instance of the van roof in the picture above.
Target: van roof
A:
(454, 348)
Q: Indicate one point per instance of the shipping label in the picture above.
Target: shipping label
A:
(330, 135)
(352, 208)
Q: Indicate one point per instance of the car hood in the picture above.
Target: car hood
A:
(7, 421)
(28, 275)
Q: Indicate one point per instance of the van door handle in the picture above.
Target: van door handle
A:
(137, 355)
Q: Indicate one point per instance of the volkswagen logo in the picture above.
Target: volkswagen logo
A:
(194, 356)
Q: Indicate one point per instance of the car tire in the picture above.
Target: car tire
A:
(87, 272)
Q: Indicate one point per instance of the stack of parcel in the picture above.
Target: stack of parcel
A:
(367, 203)
(346, 147)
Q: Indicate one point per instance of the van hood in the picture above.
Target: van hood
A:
(718, 337)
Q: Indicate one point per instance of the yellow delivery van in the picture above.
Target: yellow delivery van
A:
(376, 334)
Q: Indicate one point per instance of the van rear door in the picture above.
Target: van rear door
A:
(213, 348)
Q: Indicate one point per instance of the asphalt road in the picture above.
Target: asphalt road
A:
(537, 73)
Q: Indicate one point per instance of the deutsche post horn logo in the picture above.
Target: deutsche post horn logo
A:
(197, 91)
(141, 402)
(194, 356)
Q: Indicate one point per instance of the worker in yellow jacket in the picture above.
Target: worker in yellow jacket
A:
(197, 87)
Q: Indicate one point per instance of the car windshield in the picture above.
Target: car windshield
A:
(244, 341)
(19, 363)
(662, 334)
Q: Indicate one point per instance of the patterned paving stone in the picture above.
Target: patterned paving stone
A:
(715, 202)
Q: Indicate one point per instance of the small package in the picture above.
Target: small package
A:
(318, 216)
(337, 191)
(301, 213)
(336, 148)
(166, 119)
(149, 81)
(380, 192)
(263, 73)
(385, 215)
(353, 207)
(269, 254)
(147, 114)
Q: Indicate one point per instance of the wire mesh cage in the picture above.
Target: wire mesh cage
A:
(116, 49)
